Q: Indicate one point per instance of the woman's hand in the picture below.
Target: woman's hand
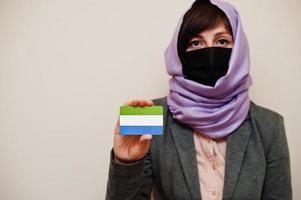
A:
(130, 148)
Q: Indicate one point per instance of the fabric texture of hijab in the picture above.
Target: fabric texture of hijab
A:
(214, 111)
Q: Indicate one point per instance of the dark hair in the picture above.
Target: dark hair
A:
(201, 16)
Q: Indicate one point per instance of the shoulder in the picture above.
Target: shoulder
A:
(264, 118)
(268, 124)
(263, 114)
(160, 101)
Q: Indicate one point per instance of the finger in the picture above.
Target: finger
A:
(131, 102)
(144, 144)
(134, 102)
(145, 138)
(127, 103)
(142, 102)
(150, 103)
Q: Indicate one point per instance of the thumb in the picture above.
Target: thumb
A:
(144, 141)
(145, 138)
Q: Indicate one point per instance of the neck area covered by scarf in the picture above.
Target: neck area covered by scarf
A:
(214, 111)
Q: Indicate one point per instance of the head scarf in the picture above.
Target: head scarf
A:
(213, 111)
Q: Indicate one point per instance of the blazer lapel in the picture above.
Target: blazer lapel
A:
(236, 146)
(183, 139)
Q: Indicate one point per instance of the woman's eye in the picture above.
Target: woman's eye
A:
(195, 43)
(222, 42)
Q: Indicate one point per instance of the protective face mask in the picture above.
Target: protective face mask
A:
(206, 65)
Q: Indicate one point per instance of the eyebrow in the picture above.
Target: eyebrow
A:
(221, 33)
(216, 34)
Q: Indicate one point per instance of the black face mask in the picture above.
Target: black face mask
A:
(206, 65)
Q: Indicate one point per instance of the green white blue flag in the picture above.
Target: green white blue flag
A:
(141, 120)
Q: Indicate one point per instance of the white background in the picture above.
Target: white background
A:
(66, 67)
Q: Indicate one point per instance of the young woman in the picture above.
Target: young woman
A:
(217, 143)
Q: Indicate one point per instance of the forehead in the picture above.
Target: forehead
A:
(220, 28)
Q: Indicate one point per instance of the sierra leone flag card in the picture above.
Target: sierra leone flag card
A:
(141, 120)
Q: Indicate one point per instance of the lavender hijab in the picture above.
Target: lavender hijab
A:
(214, 111)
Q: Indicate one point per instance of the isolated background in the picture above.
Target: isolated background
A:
(66, 67)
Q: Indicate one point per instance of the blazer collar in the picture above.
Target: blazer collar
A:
(236, 146)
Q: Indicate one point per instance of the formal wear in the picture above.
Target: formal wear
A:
(256, 163)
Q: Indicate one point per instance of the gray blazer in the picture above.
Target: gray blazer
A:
(257, 163)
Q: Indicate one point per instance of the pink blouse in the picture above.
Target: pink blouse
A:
(210, 155)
